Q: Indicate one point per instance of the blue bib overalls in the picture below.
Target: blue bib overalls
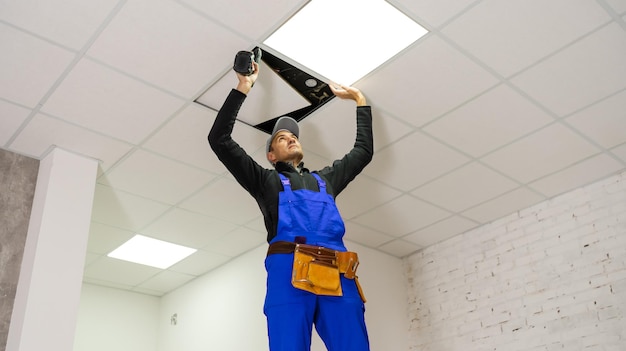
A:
(291, 313)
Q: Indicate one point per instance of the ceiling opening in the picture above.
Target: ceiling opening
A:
(325, 42)
(281, 89)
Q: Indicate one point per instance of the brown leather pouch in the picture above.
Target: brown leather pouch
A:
(316, 271)
(348, 262)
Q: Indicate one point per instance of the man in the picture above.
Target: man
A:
(299, 210)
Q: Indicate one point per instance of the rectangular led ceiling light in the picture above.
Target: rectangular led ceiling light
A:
(345, 40)
(151, 252)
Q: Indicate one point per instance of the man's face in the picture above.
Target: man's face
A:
(285, 147)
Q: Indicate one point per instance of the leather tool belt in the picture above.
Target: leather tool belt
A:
(317, 269)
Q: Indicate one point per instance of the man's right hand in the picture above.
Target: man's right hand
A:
(246, 82)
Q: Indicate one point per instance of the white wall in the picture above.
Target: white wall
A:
(116, 320)
(223, 310)
(551, 277)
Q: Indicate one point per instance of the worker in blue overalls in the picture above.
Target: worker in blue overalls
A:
(299, 211)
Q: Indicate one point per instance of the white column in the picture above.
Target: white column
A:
(48, 291)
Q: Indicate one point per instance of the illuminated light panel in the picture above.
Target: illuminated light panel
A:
(343, 40)
(151, 252)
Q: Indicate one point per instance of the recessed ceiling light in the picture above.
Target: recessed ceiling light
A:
(151, 252)
(345, 40)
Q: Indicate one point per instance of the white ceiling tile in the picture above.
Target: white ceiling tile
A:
(583, 73)
(400, 248)
(387, 130)
(166, 281)
(620, 152)
(604, 122)
(252, 18)
(257, 225)
(401, 216)
(101, 99)
(90, 258)
(237, 242)
(11, 118)
(541, 153)
(42, 132)
(188, 228)
(503, 205)
(331, 131)
(465, 187)
(184, 138)
(488, 122)
(436, 12)
(123, 210)
(445, 79)
(104, 238)
(144, 291)
(67, 22)
(166, 44)
(199, 263)
(253, 141)
(224, 199)
(524, 31)
(618, 5)
(120, 272)
(108, 284)
(440, 231)
(29, 66)
(354, 201)
(585, 172)
(365, 236)
(152, 176)
(412, 161)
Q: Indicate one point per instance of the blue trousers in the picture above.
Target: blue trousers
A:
(291, 313)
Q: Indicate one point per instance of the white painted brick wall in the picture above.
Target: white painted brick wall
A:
(550, 277)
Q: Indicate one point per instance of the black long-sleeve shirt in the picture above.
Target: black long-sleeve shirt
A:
(264, 184)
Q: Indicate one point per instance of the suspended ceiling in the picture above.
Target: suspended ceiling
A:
(504, 104)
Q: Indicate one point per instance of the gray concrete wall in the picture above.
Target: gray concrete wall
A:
(18, 177)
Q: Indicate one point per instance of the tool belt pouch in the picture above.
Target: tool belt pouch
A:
(348, 262)
(315, 270)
